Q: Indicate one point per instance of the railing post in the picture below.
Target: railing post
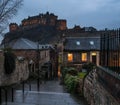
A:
(12, 94)
(38, 84)
(29, 86)
(23, 85)
(0, 95)
(6, 96)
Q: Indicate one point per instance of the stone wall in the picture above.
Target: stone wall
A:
(20, 73)
(95, 93)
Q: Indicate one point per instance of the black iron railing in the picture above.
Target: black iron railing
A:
(110, 81)
(110, 50)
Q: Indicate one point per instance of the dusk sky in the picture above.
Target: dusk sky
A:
(97, 13)
(100, 14)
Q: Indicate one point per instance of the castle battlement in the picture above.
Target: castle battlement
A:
(48, 19)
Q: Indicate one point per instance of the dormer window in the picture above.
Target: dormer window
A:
(78, 43)
(91, 42)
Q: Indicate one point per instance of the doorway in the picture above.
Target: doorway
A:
(94, 58)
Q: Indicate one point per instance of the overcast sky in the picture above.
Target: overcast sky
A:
(97, 13)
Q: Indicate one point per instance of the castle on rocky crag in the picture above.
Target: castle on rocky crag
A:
(48, 19)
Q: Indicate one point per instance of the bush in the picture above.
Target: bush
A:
(72, 71)
(71, 83)
(81, 75)
(64, 72)
(72, 78)
(69, 70)
(88, 66)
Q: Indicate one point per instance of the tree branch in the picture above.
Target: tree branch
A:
(8, 9)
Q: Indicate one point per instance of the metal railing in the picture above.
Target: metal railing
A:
(110, 50)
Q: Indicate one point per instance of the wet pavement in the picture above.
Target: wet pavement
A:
(50, 93)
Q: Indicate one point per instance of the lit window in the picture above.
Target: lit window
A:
(84, 56)
(70, 57)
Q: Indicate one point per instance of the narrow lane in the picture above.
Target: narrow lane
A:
(51, 93)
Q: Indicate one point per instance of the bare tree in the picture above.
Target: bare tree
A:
(8, 8)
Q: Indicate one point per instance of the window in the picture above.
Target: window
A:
(70, 56)
(84, 56)
(78, 43)
(91, 42)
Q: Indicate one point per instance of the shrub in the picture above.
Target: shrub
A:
(72, 71)
(71, 83)
(64, 72)
(81, 75)
(88, 66)
(69, 70)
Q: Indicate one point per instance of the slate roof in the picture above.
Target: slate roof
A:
(26, 44)
(82, 43)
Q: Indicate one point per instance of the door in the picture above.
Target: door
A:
(94, 59)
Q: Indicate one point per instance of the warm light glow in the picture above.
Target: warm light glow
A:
(70, 57)
(94, 54)
(84, 56)
(59, 72)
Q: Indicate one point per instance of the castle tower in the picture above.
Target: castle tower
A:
(50, 19)
(61, 25)
(13, 27)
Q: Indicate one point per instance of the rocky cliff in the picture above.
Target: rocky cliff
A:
(43, 34)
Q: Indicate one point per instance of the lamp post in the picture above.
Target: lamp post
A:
(63, 39)
(38, 67)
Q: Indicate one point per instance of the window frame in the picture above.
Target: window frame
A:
(84, 59)
(70, 57)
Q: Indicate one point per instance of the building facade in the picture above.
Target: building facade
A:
(37, 55)
(80, 50)
(48, 19)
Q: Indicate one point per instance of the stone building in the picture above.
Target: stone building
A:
(48, 19)
(37, 55)
(80, 50)
(13, 26)
(61, 25)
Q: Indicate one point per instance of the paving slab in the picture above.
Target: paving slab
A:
(11, 103)
(51, 93)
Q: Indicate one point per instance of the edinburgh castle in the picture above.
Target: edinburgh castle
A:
(46, 28)
(41, 19)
